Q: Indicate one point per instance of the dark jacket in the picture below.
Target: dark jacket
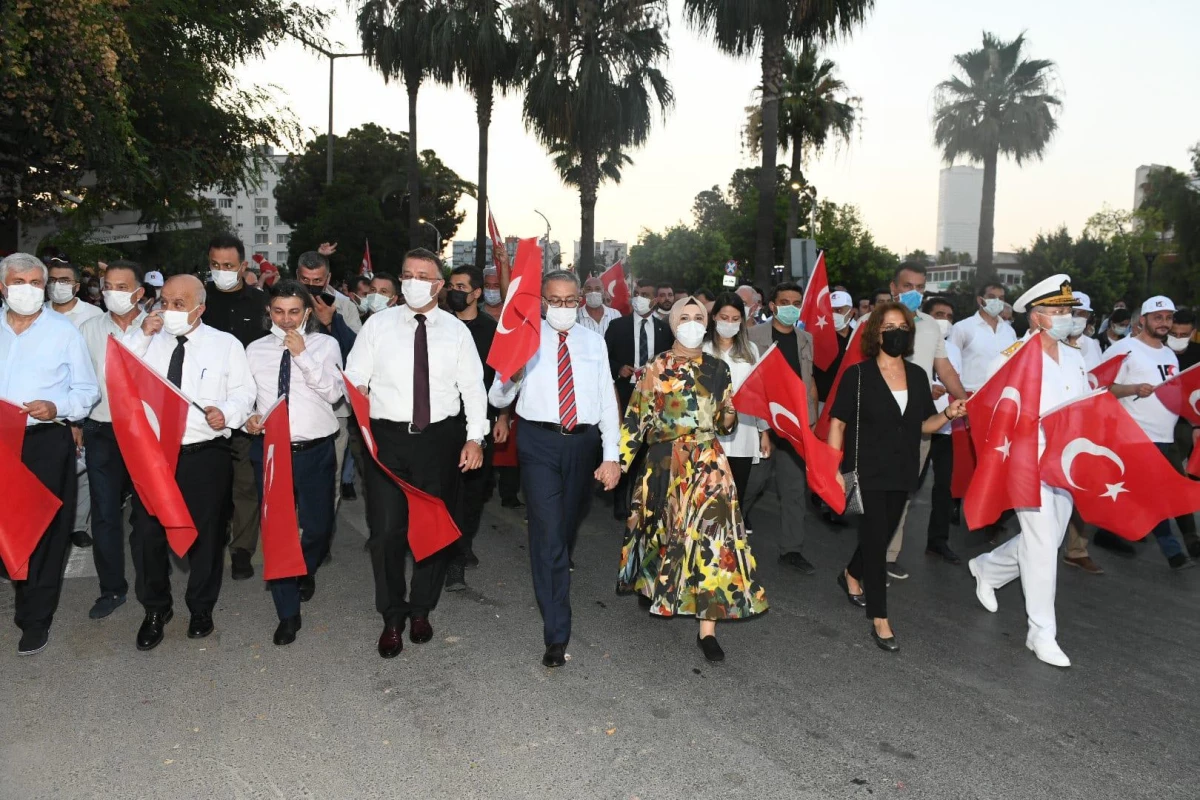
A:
(483, 330)
(340, 331)
(890, 443)
(242, 313)
(622, 350)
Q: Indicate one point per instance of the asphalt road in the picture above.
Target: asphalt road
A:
(804, 707)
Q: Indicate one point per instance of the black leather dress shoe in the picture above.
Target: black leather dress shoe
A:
(556, 656)
(201, 625)
(151, 632)
(420, 631)
(712, 650)
(942, 549)
(855, 599)
(286, 632)
(308, 587)
(391, 641)
(888, 644)
(240, 568)
(644, 602)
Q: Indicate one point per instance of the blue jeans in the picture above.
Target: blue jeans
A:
(313, 472)
(109, 480)
(1167, 542)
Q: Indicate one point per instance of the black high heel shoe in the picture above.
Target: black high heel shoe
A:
(855, 599)
(888, 643)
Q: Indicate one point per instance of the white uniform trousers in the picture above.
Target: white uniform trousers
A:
(1032, 556)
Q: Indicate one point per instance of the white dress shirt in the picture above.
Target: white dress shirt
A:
(316, 383)
(215, 373)
(80, 313)
(48, 361)
(943, 402)
(1089, 348)
(980, 346)
(95, 335)
(601, 327)
(382, 360)
(595, 397)
(743, 442)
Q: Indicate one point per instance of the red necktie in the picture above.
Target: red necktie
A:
(566, 386)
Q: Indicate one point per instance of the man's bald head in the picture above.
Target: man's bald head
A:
(183, 293)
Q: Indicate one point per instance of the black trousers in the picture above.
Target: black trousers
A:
(472, 492)
(429, 461)
(204, 477)
(740, 467)
(49, 453)
(508, 483)
(109, 480)
(941, 460)
(868, 565)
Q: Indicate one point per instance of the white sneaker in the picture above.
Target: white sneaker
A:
(1047, 650)
(985, 593)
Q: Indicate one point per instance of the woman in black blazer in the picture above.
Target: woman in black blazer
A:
(882, 408)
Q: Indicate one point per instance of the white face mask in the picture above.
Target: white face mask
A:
(561, 319)
(1078, 324)
(375, 303)
(119, 303)
(993, 306)
(417, 293)
(594, 299)
(225, 279)
(491, 297)
(641, 305)
(25, 299)
(176, 322)
(1060, 327)
(840, 321)
(944, 325)
(282, 334)
(690, 334)
(728, 329)
(62, 293)
(1178, 343)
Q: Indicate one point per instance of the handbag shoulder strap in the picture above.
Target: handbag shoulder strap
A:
(857, 417)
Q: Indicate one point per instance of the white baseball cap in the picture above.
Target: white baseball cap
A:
(840, 300)
(1157, 303)
(1085, 302)
(154, 278)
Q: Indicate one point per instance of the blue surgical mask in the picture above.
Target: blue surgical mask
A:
(787, 315)
(911, 299)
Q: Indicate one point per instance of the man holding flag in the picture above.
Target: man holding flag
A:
(1031, 555)
(209, 367)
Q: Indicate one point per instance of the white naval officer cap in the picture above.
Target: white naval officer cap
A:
(1053, 291)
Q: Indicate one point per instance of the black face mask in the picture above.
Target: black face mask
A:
(895, 342)
(456, 300)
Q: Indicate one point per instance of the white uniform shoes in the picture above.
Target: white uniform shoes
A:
(1047, 650)
(985, 593)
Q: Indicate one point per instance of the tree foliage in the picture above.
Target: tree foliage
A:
(368, 198)
(687, 258)
(1172, 197)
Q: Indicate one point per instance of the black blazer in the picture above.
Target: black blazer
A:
(622, 350)
(890, 442)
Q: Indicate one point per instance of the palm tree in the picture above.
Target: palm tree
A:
(739, 28)
(471, 41)
(1000, 104)
(591, 81)
(812, 109)
(396, 36)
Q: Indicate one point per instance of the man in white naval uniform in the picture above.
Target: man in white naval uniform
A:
(1032, 555)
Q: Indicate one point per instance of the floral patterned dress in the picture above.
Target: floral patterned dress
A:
(687, 548)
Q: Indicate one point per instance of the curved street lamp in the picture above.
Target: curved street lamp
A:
(424, 221)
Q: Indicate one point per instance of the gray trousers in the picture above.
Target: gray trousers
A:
(784, 472)
(83, 504)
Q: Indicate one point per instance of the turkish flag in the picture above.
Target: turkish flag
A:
(613, 281)
(1124, 484)
(499, 250)
(505, 454)
(1105, 373)
(854, 355)
(816, 312)
(282, 556)
(29, 506)
(1181, 394)
(964, 458)
(774, 392)
(430, 527)
(1004, 431)
(149, 417)
(519, 328)
(365, 269)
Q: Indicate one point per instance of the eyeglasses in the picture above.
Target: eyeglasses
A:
(562, 302)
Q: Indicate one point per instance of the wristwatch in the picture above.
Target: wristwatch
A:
(480, 441)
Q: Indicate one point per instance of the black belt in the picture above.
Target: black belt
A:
(408, 427)
(187, 449)
(42, 427)
(300, 447)
(556, 428)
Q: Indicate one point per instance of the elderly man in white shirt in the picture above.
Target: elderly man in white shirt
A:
(594, 313)
(303, 366)
(568, 411)
(982, 337)
(209, 367)
(420, 370)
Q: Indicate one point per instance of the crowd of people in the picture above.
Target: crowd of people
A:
(638, 403)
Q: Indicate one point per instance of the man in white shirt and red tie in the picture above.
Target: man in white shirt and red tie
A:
(303, 366)
(418, 366)
(209, 367)
(568, 411)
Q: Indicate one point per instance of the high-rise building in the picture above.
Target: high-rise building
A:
(251, 213)
(960, 195)
(1140, 177)
(606, 252)
(463, 251)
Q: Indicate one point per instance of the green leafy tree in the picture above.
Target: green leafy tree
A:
(741, 28)
(1172, 203)
(852, 257)
(397, 36)
(948, 256)
(367, 199)
(1100, 262)
(920, 257)
(687, 258)
(591, 76)
(999, 104)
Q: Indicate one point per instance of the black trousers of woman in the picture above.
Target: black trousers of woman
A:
(740, 467)
(868, 566)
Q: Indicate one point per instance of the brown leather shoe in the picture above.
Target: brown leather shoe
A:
(391, 641)
(1084, 563)
(420, 631)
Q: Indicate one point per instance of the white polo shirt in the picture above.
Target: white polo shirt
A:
(980, 346)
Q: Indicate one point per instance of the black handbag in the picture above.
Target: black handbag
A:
(854, 504)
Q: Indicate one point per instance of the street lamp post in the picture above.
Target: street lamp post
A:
(546, 249)
(424, 221)
(329, 135)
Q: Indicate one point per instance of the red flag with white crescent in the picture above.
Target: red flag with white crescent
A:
(282, 555)
(816, 312)
(29, 506)
(613, 281)
(519, 327)
(499, 250)
(1104, 374)
(1181, 394)
(854, 355)
(365, 269)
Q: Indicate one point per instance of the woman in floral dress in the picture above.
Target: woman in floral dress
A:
(687, 549)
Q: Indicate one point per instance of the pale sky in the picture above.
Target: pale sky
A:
(1128, 77)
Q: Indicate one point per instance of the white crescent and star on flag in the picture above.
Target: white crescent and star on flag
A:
(512, 292)
(1009, 393)
(1082, 446)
